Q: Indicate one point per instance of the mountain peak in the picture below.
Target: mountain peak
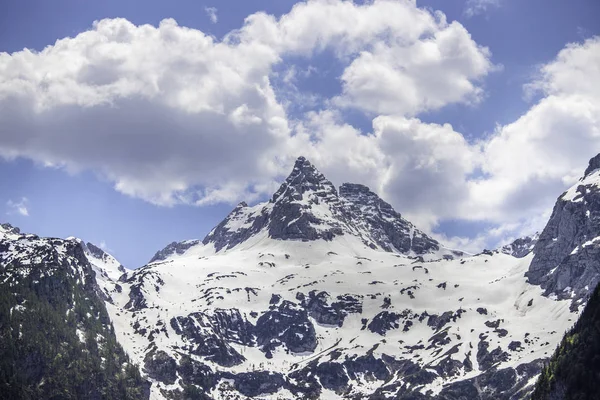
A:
(593, 165)
(308, 207)
(9, 228)
(95, 250)
(304, 178)
(522, 246)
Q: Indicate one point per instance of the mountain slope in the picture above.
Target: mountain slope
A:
(573, 371)
(56, 338)
(315, 294)
(566, 257)
(326, 294)
(308, 207)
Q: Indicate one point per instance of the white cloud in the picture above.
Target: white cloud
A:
(212, 14)
(477, 7)
(171, 115)
(530, 161)
(511, 178)
(401, 59)
(425, 75)
(18, 207)
(156, 110)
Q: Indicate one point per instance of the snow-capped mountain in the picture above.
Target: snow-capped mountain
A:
(521, 246)
(308, 207)
(327, 294)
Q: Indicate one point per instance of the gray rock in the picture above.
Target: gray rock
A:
(160, 366)
(289, 215)
(287, 325)
(565, 261)
(173, 248)
(11, 229)
(522, 246)
(386, 227)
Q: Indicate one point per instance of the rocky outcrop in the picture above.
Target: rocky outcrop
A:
(287, 325)
(386, 227)
(173, 249)
(291, 214)
(521, 246)
(565, 261)
(160, 366)
(210, 336)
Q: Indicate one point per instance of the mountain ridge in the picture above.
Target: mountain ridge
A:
(310, 295)
(308, 207)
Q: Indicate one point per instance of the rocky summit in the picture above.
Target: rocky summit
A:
(318, 293)
(308, 207)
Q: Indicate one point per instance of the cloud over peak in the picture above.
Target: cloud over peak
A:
(172, 115)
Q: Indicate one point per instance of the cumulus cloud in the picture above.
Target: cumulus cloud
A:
(157, 110)
(426, 75)
(212, 14)
(528, 162)
(401, 59)
(171, 115)
(18, 207)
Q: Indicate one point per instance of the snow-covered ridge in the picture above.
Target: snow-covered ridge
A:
(307, 207)
(521, 247)
(295, 309)
(326, 294)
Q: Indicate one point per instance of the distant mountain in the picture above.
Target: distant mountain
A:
(521, 247)
(318, 293)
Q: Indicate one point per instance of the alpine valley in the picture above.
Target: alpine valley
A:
(319, 293)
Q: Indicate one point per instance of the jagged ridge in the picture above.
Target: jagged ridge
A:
(308, 207)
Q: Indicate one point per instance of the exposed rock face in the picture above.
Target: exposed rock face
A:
(8, 228)
(98, 253)
(159, 365)
(521, 246)
(211, 336)
(288, 325)
(503, 384)
(308, 207)
(173, 248)
(292, 216)
(384, 225)
(567, 252)
(383, 322)
(257, 383)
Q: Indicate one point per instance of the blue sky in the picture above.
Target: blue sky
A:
(99, 198)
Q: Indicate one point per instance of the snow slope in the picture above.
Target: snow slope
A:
(328, 294)
(320, 294)
(487, 295)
